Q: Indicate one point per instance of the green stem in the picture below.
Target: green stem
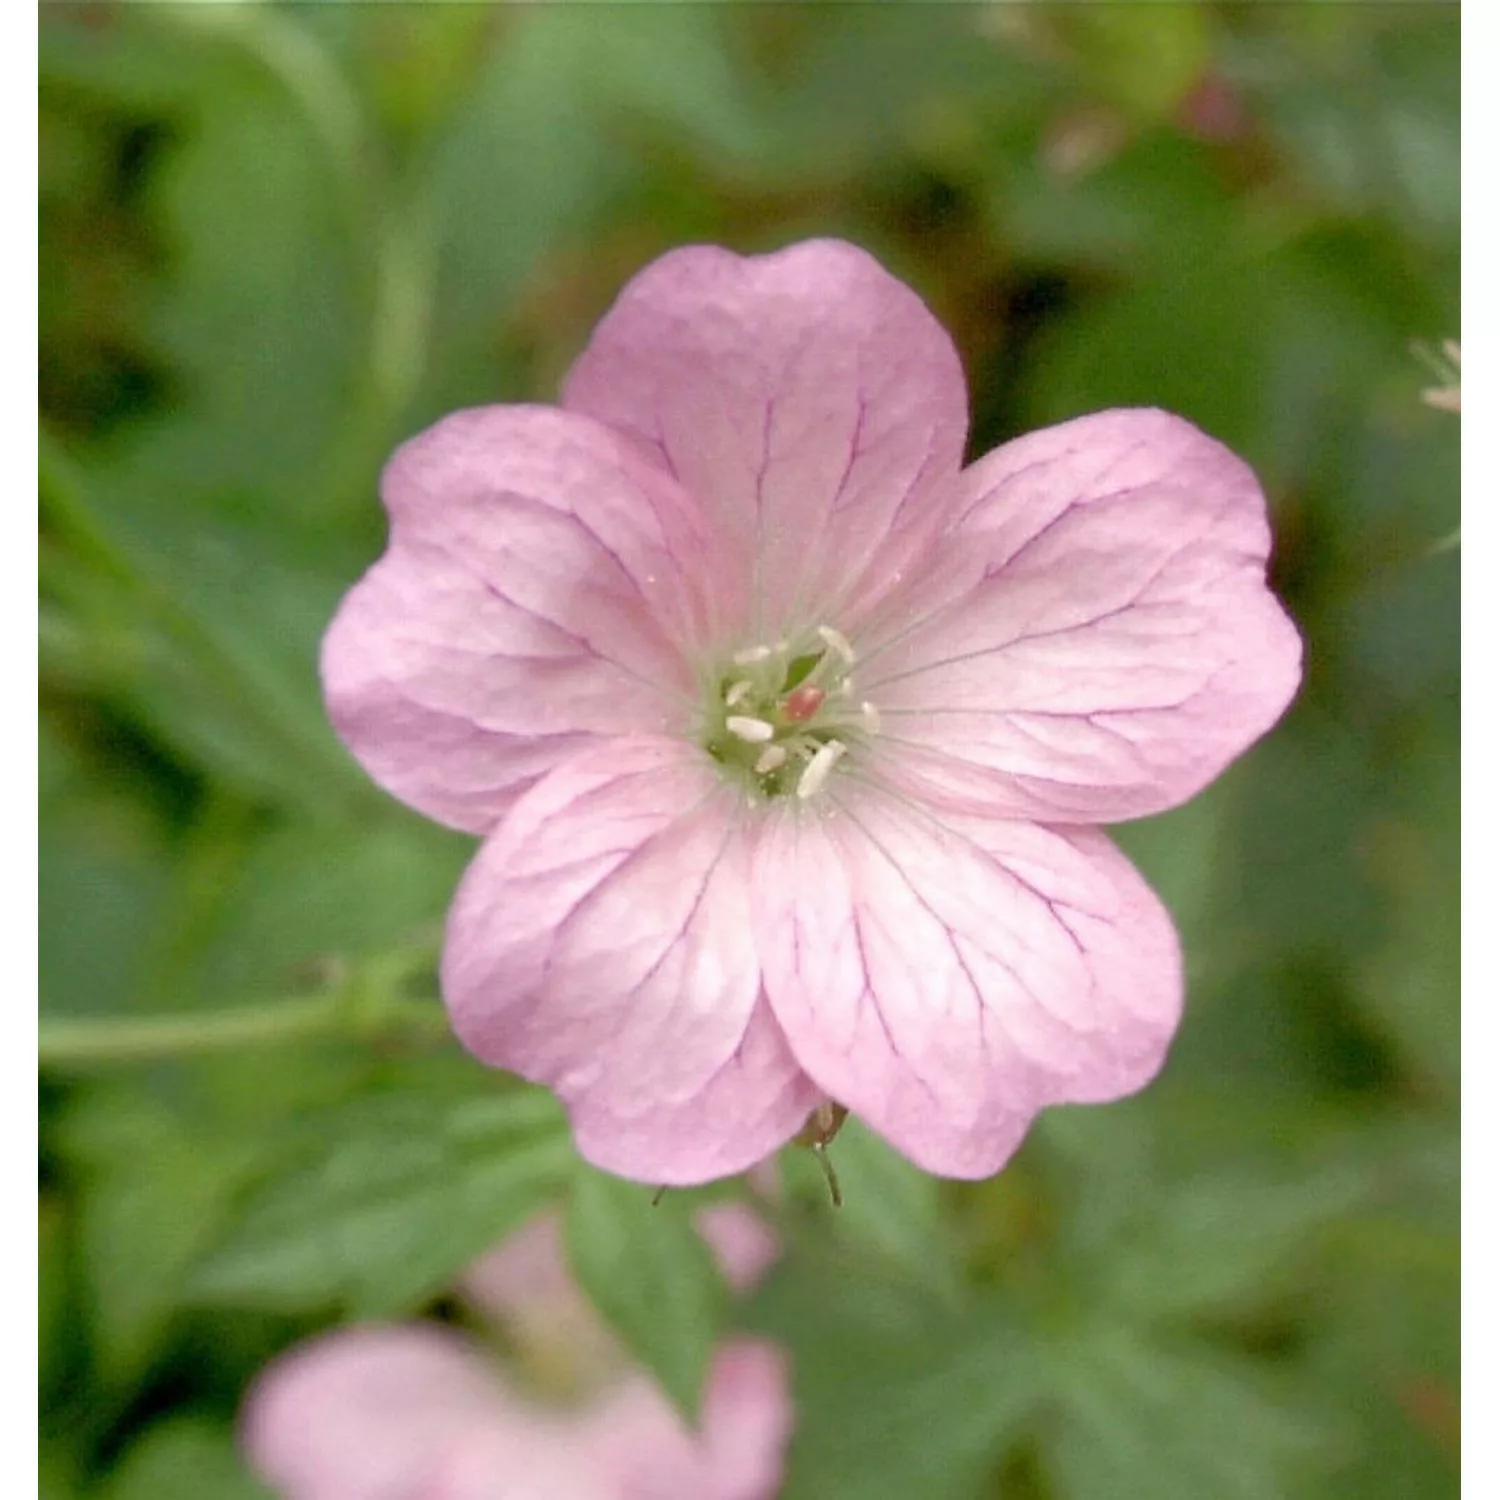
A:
(335, 1015)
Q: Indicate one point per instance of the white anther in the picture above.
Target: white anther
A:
(736, 692)
(819, 769)
(751, 655)
(752, 731)
(869, 716)
(772, 758)
(836, 641)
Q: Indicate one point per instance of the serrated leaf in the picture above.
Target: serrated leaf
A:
(1138, 1421)
(157, 1187)
(651, 1277)
(1217, 1245)
(387, 1196)
(899, 1393)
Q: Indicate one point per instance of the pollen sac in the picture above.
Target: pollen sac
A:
(780, 718)
(802, 703)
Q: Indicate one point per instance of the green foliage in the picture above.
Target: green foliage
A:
(651, 1276)
(277, 239)
(160, 1190)
(899, 1391)
(377, 1202)
(186, 1458)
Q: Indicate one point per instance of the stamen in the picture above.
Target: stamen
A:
(819, 768)
(837, 642)
(737, 692)
(870, 717)
(751, 655)
(752, 731)
(803, 702)
(772, 758)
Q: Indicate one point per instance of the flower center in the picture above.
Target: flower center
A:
(782, 717)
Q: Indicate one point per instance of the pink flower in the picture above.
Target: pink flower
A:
(420, 1412)
(789, 735)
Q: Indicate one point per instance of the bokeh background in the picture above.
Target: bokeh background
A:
(277, 239)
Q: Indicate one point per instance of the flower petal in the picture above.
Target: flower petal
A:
(387, 1412)
(525, 1284)
(736, 1455)
(745, 1246)
(1097, 630)
(809, 402)
(540, 589)
(600, 943)
(946, 980)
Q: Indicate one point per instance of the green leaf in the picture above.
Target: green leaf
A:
(56, 1294)
(379, 1201)
(203, 627)
(651, 1277)
(890, 1206)
(899, 1392)
(943, 82)
(1136, 1421)
(315, 891)
(1365, 108)
(157, 1186)
(1180, 853)
(262, 318)
(1145, 58)
(521, 170)
(183, 1458)
(1409, 982)
(1158, 202)
(104, 866)
(1385, 1346)
(1221, 1245)
(1172, 339)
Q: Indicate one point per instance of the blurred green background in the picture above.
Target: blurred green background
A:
(277, 239)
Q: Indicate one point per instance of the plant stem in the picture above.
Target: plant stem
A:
(81, 1044)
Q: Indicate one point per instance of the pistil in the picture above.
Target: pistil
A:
(785, 715)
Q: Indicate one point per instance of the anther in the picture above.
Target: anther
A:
(772, 758)
(752, 731)
(737, 692)
(802, 702)
(837, 642)
(819, 768)
(751, 655)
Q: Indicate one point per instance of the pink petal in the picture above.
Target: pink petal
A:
(737, 1455)
(525, 1284)
(946, 980)
(525, 1281)
(407, 1412)
(527, 1269)
(600, 943)
(1096, 640)
(809, 402)
(540, 590)
(745, 1246)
